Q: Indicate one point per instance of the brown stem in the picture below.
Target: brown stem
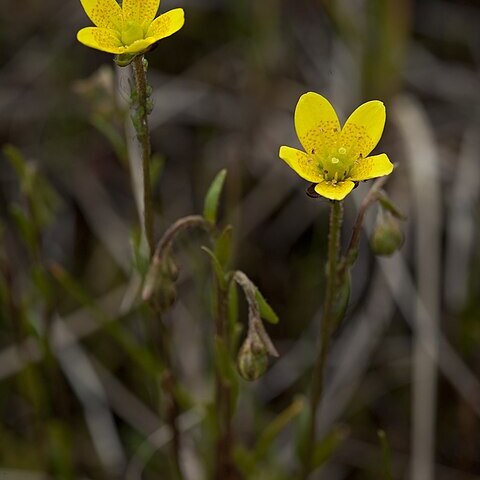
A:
(163, 246)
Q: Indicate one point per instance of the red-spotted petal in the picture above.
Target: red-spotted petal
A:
(334, 192)
(316, 123)
(302, 163)
(371, 167)
(104, 13)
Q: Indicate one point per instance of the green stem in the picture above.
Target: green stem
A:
(317, 382)
(351, 254)
(224, 468)
(143, 135)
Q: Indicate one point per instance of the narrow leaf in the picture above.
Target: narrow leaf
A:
(326, 448)
(386, 457)
(272, 431)
(223, 246)
(213, 196)
(24, 225)
(266, 311)
(217, 267)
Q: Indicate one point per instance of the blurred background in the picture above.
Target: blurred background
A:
(406, 358)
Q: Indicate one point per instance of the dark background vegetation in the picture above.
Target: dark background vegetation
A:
(225, 88)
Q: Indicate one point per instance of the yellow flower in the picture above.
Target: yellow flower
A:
(335, 158)
(130, 29)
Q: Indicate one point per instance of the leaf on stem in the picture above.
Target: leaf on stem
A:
(223, 246)
(266, 311)
(273, 430)
(217, 267)
(212, 198)
(386, 457)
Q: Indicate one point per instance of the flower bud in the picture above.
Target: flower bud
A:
(252, 357)
(387, 236)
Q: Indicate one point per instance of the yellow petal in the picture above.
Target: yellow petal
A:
(101, 39)
(138, 46)
(316, 123)
(334, 192)
(103, 13)
(363, 129)
(166, 24)
(371, 167)
(141, 12)
(302, 163)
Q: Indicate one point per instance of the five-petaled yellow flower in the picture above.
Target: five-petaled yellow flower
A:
(129, 29)
(335, 158)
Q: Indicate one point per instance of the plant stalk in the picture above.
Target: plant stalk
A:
(143, 135)
(224, 468)
(318, 375)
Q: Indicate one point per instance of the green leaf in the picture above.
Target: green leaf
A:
(212, 198)
(17, 160)
(24, 225)
(124, 59)
(217, 267)
(235, 328)
(326, 448)
(245, 461)
(140, 261)
(43, 200)
(389, 206)
(223, 246)
(112, 134)
(272, 431)
(386, 455)
(60, 450)
(266, 311)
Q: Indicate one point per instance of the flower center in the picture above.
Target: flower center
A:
(336, 165)
(131, 32)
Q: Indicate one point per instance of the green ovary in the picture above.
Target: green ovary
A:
(131, 32)
(336, 165)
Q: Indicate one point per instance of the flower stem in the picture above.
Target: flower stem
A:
(224, 467)
(140, 122)
(351, 254)
(317, 382)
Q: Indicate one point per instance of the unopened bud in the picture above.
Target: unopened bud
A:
(387, 236)
(252, 357)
